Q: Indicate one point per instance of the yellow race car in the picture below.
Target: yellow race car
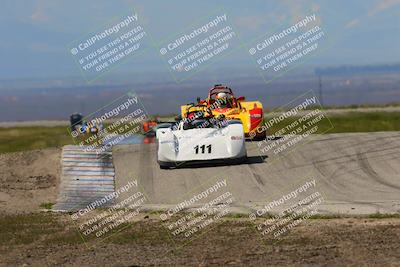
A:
(222, 102)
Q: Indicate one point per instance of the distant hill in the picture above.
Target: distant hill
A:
(353, 70)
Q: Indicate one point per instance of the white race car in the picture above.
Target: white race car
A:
(204, 140)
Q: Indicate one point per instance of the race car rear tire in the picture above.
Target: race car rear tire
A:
(260, 136)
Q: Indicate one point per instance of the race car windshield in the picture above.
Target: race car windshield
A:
(199, 123)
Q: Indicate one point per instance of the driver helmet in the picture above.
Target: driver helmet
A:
(221, 95)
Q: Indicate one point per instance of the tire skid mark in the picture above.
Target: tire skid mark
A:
(256, 178)
(366, 167)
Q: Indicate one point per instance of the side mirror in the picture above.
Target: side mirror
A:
(241, 98)
(198, 100)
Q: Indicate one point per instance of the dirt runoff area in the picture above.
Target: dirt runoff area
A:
(28, 180)
(50, 239)
(31, 237)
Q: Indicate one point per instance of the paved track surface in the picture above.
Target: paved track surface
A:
(357, 173)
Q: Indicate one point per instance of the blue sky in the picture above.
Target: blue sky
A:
(35, 34)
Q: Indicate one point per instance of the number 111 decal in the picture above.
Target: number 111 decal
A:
(203, 149)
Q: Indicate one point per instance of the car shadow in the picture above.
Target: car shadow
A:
(250, 160)
(269, 138)
(256, 159)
